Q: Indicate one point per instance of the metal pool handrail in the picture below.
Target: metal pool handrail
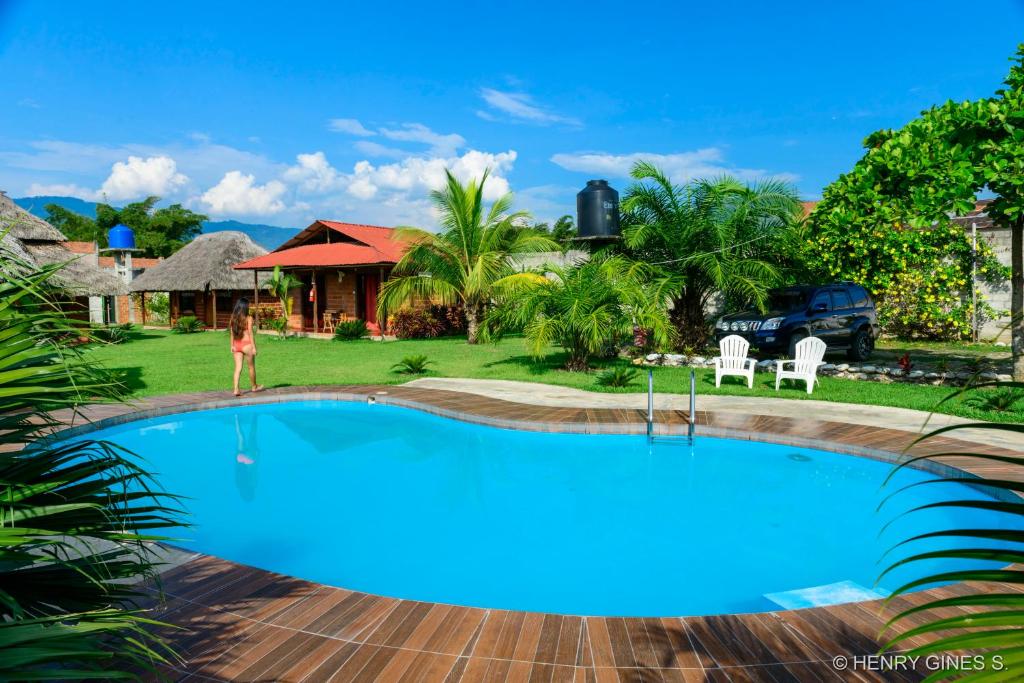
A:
(650, 404)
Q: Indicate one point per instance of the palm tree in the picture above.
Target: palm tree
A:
(281, 285)
(76, 519)
(588, 309)
(719, 236)
(469, 261)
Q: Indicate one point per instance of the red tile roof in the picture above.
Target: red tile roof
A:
(337, 254)
(381, 239)
(373, 245)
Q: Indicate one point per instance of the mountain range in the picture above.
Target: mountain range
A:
(267, 236)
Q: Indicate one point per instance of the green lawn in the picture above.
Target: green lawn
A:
(157, 362)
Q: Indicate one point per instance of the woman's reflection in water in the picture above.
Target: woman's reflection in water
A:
(247, 454)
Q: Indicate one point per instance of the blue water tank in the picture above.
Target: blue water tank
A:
(121, 237)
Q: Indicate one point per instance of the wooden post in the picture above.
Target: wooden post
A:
(213, 293)
(256, 298)
(316, 304)
(142, 305)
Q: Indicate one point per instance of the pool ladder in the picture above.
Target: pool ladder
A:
(650, 405)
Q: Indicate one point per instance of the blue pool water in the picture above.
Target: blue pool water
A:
(397, 502)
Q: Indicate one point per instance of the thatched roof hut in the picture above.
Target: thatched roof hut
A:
(33, 240)
(25, 226)
(204, 264)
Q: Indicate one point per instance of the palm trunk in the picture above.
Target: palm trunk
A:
(688, 318)
(578, 361)
(473, 315)
(1017, 297)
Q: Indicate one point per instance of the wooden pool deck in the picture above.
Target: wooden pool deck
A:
(240, 623)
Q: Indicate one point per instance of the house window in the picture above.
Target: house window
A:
(224, 302)
(186, 303)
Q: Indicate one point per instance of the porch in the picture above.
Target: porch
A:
(331, 295)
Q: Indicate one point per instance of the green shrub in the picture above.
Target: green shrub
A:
(349, 330)
(112, 334)
(452, 318)
(920, 306)
(412, 323)
(412, 365)
(617, 377)
(188, 324)
(269, 317)
(999, 400)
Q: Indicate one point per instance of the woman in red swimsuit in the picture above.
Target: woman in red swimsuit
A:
(243, 343)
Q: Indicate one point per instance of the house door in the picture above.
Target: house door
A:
(371, 285)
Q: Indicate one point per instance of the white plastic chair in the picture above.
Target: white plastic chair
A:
(733, 360)
(809, 355)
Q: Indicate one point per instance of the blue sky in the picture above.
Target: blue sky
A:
(282, 113)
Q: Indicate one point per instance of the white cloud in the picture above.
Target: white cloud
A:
(63, 163)
(415, 176)
(313, 174)
(521, 107)
(375, 149)
(440, 144)
(387, 185)
(389, 193)
(60, 190)
(350, 126)
(138, 178)
(680, 167)
(238, 194)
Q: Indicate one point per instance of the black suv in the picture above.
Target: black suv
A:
(842, 315)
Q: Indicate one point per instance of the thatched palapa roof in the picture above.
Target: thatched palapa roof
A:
(204, 263)
(34, 241)
(23, 225)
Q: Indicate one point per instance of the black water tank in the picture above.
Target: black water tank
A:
(597, 211)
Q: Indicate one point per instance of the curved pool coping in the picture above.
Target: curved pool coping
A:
(244, 623)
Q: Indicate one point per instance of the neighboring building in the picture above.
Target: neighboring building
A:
(201, 281)
(93, 292)
(126, 308)
(341, 266)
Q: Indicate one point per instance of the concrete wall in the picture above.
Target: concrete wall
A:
(998, 296)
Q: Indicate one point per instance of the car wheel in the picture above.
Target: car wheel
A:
(793, 339)
(862, 347)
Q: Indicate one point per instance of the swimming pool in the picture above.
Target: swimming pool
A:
(397, 502)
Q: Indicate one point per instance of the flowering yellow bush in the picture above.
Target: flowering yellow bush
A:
(919, 275)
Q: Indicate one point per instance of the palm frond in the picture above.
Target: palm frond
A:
(990, 560)
(76, 518)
